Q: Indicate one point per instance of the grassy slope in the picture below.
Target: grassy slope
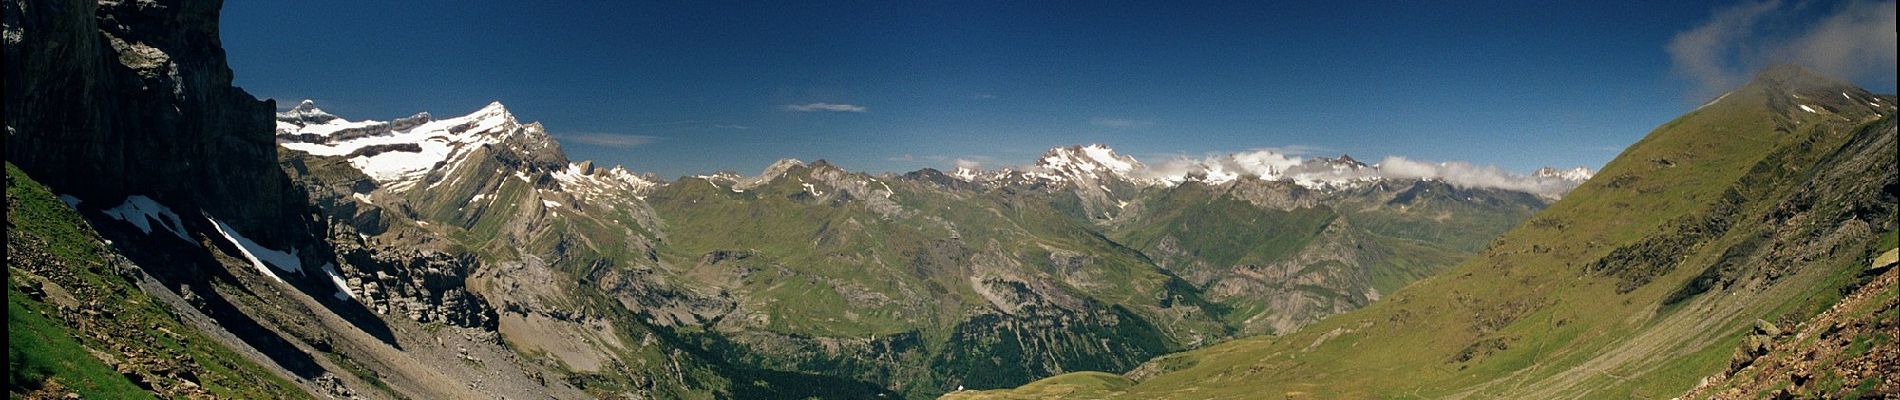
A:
(43, 348)
(1435, 219)
(1401, 244)
(1224, 230)
(41, 354)
(1525, 319)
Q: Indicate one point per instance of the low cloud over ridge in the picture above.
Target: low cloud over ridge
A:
(1272, 164)
(1854, 41)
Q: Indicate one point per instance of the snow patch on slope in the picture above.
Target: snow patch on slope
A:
(142, 212)
(1105, 157)
(598, 185)
(71, 202)
(259, 255)
(343, 291)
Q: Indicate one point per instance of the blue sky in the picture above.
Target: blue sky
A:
(681, 89)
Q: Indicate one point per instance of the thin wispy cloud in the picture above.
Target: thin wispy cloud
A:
(732, 126)
(610, 139)
(972, 161)
(982, 96)
(1119, 123)
(666, 124)
(826, 107)
(1855, 40)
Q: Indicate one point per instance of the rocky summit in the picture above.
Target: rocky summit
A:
(170, 235)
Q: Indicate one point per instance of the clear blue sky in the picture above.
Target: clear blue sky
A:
(706, 86)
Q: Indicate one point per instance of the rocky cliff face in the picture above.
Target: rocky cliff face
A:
(126, 110)
(117, 98)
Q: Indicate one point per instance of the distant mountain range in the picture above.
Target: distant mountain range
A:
(938, 268)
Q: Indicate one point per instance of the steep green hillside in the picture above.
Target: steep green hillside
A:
(77, 321)
(1762, 204)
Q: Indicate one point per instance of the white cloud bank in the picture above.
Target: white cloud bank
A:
(1272, 164)
(1466, 174)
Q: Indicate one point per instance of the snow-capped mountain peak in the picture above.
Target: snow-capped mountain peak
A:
(1094, 157)
(306, 112)
(400, 152)
(1091, 162)
(1341, 164)
(494, 110)
(965, 173)
(305, 106)
(1578, 174)
(772, 172)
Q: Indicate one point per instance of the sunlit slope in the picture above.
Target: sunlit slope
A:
(1638, 284)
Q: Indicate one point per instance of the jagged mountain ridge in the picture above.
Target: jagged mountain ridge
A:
(1081, 165)
(406, 151)
(309, 129)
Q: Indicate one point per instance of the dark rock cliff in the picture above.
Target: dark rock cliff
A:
(117, 98)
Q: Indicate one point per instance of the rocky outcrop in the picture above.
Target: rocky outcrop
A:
(424, 286)
(1846, 352)
(1277, 195)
